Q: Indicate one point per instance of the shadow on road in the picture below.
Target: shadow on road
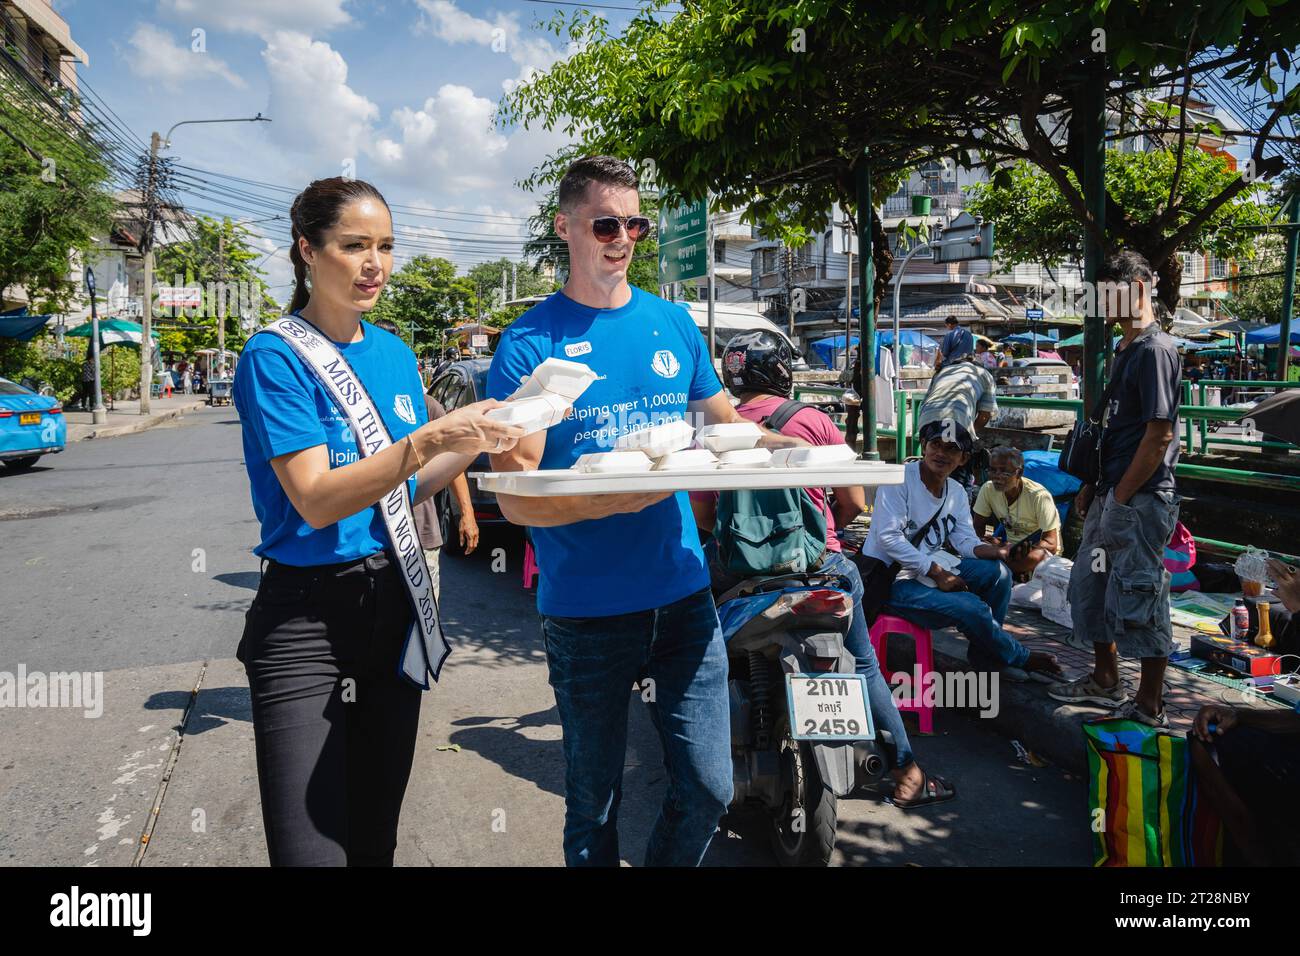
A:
(216, 707)
(240, 579)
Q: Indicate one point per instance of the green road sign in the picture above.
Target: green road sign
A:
(683, 243)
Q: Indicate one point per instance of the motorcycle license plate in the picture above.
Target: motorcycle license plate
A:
(829, 707)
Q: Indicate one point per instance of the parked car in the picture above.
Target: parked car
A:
(459, 384)
(31, 425)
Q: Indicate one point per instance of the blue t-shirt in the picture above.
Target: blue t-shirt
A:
(283, 408)
(957, 343)
(650, 360)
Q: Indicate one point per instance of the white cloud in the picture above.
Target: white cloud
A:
(502, 34)
(315, 111)
(262, 17)
(156, 56)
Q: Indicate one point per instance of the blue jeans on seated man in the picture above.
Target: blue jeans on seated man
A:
(593, 663)
(978, 613)
(884, 708)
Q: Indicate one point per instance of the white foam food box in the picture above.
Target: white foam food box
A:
(556, 377)
(813, 457)
(745, 458)
(532, 414)
(613, 462)
(546, 397)
(690, 459)
(658, 440)
(731, 436)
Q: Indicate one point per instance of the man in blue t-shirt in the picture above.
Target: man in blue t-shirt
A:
(956, 343)
(624, 593)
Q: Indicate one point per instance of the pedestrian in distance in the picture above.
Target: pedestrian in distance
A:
(426, 512)
(956, 343)
(342, 633)
(624, 591)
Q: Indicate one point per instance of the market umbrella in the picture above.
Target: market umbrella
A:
(17, 324)
(1279, 416)
(114, 332)
(1027, 337)
(1271, 335)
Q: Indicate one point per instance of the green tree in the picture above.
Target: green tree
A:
(425, 298)
(1032, 221)
(773, 106)
(527, 281)
(220, 258)
(54, 196)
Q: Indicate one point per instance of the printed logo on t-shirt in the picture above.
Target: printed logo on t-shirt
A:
(404, 409)
(574, 349)
(665, 364)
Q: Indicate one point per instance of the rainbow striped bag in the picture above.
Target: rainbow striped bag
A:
(1143, 801)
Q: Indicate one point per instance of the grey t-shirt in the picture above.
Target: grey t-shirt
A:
(1148, 377)
(959, 391)
(425, 513)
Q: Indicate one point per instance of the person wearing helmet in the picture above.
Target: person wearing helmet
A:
(757, 369)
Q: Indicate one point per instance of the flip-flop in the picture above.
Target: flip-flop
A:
(941, 792)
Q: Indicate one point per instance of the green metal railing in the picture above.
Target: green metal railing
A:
(1205, 384)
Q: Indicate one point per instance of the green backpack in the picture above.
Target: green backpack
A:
(772, 531)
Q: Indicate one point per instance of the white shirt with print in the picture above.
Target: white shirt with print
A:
(901, 510)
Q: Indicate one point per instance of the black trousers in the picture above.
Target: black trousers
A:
(334, 722)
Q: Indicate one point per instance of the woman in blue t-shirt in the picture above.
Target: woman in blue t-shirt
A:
(334, 721)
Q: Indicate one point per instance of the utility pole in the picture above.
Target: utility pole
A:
(867, 308)
(787, 259)
(98, 414)
(221, 296)
(503, 286)
(514, 281)
(1096, 330)
(146, 240)
(1288, 289)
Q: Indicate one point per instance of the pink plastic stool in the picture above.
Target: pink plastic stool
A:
(530, 565)
(886, 624)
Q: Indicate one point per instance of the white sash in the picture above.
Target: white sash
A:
(419, 657)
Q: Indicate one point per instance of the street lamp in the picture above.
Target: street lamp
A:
(97, 415)
(157, 143)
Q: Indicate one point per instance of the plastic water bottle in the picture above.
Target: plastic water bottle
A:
(1240, 621)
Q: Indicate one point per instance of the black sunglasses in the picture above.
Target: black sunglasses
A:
(606, 228)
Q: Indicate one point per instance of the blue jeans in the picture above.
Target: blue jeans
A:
(593, 663)
(977, 613)
(884, 709)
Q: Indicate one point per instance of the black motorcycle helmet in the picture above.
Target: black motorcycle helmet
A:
(758, 361)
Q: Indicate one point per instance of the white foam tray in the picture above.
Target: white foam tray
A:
(558, 482)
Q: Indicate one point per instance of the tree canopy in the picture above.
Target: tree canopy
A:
(770, 106)
(1032, 222)
(54, 199)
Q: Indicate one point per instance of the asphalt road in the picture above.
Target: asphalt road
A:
(132, 557)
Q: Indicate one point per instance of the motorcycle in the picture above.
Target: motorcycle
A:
(801, 730)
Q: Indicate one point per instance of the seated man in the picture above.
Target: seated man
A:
(1252, 779)
(1023, 507)
(974, 595)
(756, 367)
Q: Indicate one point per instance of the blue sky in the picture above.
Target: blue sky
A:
(403, 89)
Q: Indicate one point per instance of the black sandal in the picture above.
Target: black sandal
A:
(934, 789)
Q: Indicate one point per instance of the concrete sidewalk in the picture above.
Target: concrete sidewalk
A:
(125, 418)
(1052, 729)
